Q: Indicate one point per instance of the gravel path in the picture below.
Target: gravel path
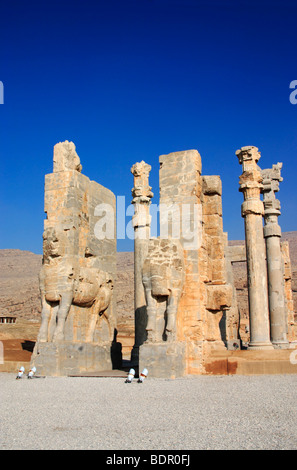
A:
(208, 412)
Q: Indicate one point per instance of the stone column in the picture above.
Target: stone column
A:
(252, 211)
(272, 234)
(142, 196)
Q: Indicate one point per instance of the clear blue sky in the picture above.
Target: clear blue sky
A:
(130, 80)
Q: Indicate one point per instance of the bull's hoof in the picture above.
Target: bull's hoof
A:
(42, 337)
(170, 336)
(58, 337)
(150, 336)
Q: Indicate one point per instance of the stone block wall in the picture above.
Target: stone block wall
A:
(78, 271)
(191, 213)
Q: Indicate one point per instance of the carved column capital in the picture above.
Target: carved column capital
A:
(251, 178)
(271, 180)
(142, 194)
(248, 156)
(142, 191)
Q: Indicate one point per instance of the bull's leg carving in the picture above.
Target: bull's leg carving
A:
(53, 322)
(94, 313)
(99, 308)
(151, 310)
(65, 304)
(171, 323)
(91, 329)
(172, 304)
(151, 323)
(45, 315)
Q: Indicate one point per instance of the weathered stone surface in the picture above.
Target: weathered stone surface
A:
(184, 272)
(236, 255)
(20, 295)
(219, 297)
(66, 158)
(231, 316)
(272, 234)
(186, 307)
(141, 220)
(163, 279)
(288, 291)
(78, 271)
(69, 358)
(163, 360)
(211, 185)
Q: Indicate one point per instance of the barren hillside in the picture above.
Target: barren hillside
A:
(19, 289)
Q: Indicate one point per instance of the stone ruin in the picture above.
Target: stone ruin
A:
(185, 298)
(78, 318)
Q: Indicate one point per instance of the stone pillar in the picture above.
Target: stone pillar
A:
(252, 211)
(272, 234)
(142, 196)
(78, 318)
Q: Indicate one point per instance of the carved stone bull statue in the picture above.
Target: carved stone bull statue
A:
(65, 282)
(163, 278)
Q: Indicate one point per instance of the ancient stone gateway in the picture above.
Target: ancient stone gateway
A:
(184, 272)
(78, 319)
(191, 303)
(186, 309)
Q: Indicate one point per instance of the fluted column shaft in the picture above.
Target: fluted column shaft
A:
(272, 234)
(252, 211)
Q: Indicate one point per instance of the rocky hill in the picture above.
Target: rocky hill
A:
(19, 291)
(19, 286)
